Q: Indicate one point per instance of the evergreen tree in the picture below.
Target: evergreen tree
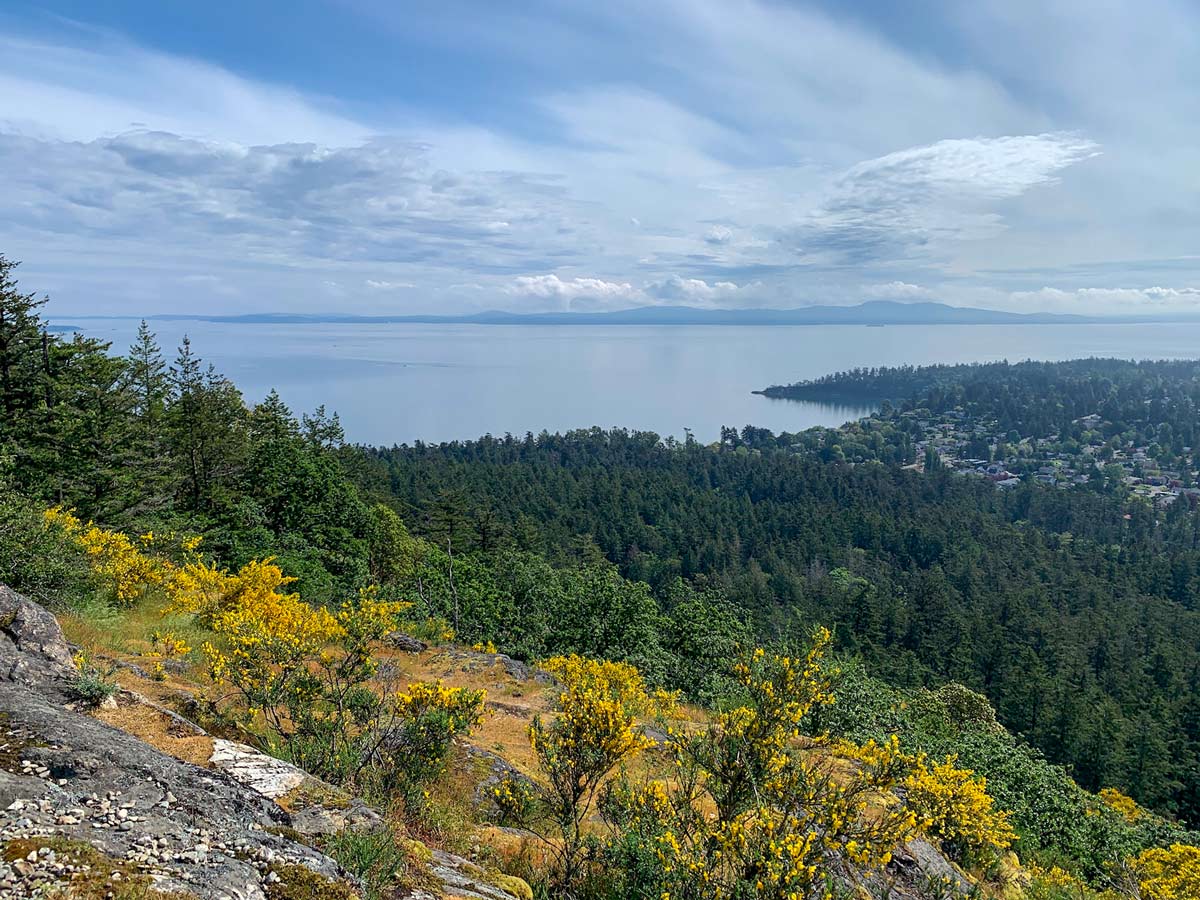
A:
(24, 348)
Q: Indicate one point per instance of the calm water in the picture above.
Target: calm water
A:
(399, 383)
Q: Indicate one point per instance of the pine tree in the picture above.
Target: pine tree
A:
(24, 350)
(148, 378)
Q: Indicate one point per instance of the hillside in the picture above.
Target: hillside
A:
(670, 715)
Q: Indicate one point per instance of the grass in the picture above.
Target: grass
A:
(159, 731)
(301, 883)
(383, 862)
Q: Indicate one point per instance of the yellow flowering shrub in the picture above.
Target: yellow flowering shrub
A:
(953, 804)
(805, 821)
(426, 716)
(1055, 883)
(593, 731)
(752, 739)
(124, 564)
(135, 567)
(750, 810)
(268, 637)
(165, 645)
(1169, 873)
(1121, 803)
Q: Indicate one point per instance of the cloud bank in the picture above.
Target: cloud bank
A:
(698, 153)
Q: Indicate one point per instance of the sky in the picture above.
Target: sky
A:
(374, 157)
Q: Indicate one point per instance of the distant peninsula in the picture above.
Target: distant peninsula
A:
(876, 312)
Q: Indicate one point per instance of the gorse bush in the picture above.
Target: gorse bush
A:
(752, 810)
(302, 677)
(593, 731)
(953, 805)
(309, 672)
(1170, 873)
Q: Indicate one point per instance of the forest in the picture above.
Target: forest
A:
(1071, 618)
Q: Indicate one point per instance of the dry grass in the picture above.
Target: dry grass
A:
(158, 730)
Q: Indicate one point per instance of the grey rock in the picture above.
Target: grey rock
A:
(462, 878)
(33, 648)
(265, 775)
(108, 788)
(405, 642)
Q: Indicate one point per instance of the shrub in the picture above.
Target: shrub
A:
(43, 564)
(92, 685)
(953, 804)
(751, 811)
(308, 671)
(122, 563)
(592, 733)
(414, 742)
(1169, 873)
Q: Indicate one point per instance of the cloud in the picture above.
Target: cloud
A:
(718, 234)
(915, 200)
(1102, 301)
(575, 292)
(378, 201)
(687, 151)
(79, 93)
(698, 292)
(898, 290)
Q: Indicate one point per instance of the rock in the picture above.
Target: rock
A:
(498, 769)
(917, 871)
(474, 661)
(265, 775)
(95, 773)
(35, 648)
(320, 819)
(405, 642)
(463, 879)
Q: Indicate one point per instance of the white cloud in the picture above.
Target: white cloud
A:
(111, 86)
(698, 292)
(914, 200)
(718, 234)
(897, 290)
(590, 292)
(838, 161)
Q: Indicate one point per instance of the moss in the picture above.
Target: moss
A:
(96, 883)
(13, 745)
(301, 883)
(511, 884)
(417, 850)
(311, 792)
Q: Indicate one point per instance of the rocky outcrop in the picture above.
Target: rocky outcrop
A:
(80, 798)
(33, 650)
(67, 775)
(405, 642)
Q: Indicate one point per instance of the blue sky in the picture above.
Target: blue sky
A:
(390, 157)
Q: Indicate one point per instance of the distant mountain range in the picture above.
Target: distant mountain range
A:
(875, 312)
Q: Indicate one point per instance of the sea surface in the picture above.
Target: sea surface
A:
(395, 384)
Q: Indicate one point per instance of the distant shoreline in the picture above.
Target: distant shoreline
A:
(873, 314)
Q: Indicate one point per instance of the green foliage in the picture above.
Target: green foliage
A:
(1088, 643)
(44, 564)
(379, 859)
(92, 684)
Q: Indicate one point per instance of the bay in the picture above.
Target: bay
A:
(402, 382)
